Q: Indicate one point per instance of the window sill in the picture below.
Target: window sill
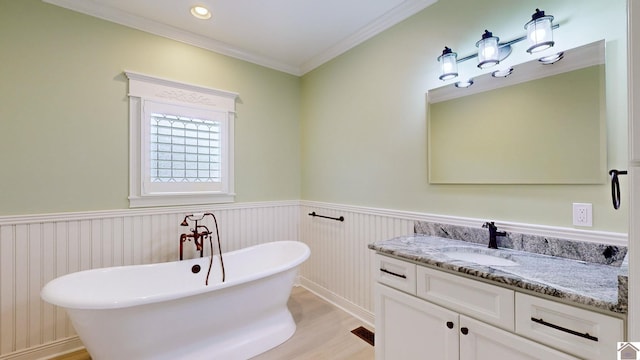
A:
(179, 199)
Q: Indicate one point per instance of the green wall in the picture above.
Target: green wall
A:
(364, 133)
(352, 131)
(64, 110)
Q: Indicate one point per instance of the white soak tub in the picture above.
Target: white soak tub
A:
(164, 311)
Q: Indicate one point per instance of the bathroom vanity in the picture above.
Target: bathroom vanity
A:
(450, 299)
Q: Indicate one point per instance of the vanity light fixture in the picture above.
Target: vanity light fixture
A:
(200, 12)
(539, 32)
(488, 51)
(449, 63)
(491, 51)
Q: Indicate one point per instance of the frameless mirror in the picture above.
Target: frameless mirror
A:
(543, 124)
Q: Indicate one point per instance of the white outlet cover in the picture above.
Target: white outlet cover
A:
(582, 214)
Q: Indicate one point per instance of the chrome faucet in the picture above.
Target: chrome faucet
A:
(493, 233)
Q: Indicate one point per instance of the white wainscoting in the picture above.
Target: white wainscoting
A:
(340, 266)
(37, 249)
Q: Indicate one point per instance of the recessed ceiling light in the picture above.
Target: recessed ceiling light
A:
(201, 12)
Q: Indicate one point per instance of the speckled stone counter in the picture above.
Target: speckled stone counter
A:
(589, 283)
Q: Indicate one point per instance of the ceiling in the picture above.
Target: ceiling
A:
(293, 36)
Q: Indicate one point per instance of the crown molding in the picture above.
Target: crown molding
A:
(153, 27)
(396, 15)
(391, 18)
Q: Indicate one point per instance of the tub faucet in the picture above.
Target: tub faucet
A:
(199, 233)
(493, 233)
(199, 237)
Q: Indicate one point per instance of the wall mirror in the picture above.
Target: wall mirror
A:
(543, 124)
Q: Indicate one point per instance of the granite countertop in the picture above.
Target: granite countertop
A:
(581, 282)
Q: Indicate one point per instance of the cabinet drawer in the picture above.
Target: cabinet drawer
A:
(581, 332)
(481, 341)
(396, 273)
(485, 302)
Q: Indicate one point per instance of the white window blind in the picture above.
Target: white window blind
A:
(184, 149)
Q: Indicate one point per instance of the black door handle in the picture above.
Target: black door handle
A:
(615, 186)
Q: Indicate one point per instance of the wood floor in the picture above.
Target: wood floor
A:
(323, 332)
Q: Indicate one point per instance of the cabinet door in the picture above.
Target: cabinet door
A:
(479, 341)
(409, 328)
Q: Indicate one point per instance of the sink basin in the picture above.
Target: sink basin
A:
(480, 259)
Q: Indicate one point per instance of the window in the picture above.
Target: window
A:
(181, 143)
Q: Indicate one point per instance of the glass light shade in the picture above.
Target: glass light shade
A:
(464, 84)
(488, 52)
(551, 59)
(539, 32)
(449, 64)
(502, 72)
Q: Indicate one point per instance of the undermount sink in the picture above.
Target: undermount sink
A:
(479, 258)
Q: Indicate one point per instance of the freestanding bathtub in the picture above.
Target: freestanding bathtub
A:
(164, 311)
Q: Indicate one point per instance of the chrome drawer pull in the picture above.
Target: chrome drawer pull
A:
(572, 332)
(392, 273)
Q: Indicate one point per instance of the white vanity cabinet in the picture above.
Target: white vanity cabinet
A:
(411, 328)
(447, 316)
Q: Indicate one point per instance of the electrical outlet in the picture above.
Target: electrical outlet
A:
(582, 214)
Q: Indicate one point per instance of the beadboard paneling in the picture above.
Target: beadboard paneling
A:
(37, 249)
(340, 267)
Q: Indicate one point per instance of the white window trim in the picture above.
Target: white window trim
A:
(148, 88)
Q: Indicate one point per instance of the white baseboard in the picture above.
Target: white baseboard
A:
(46, 351)
(354, 310)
